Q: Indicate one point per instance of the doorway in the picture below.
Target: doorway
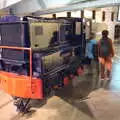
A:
(117, 33)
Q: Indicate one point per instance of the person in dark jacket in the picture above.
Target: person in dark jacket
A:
(106, 53)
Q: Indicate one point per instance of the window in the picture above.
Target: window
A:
(112, 16)
(118, 16)
(78, 28)
(38, 30)
(103, 16)
(54, 15)
(93, 14)
(68, 14)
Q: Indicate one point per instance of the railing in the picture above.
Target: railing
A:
(22, 48)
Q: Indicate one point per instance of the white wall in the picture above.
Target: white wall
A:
(6, 3)
(98, 25)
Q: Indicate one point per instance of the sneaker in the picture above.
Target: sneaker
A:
(102, 78)
(108, 78)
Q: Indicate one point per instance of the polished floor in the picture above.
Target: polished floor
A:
(87, 98)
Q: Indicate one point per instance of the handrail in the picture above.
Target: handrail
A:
(22, 48)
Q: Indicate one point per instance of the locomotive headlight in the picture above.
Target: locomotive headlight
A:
(36, 74)
(36, 56)
(21, 18)
(88, 24)
(38, 69)
(37, 64)
(84, 20)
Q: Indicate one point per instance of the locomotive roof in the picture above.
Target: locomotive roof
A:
(40, 21)
(25, 19)
(16, 22)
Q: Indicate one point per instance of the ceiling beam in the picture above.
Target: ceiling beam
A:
(39, 7)
(80, 6)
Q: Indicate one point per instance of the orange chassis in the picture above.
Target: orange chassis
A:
(20, 85)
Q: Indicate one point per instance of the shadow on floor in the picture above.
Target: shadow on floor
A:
(19, 116)
(77, 96)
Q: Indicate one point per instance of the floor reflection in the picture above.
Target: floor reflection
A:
(77, 93)
(86, 84)
(115, 82)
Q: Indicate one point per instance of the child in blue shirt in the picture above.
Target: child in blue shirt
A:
(89, 50)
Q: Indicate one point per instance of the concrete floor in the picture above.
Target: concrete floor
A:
(87, 100)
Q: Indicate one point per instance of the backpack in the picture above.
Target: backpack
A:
(105, 47)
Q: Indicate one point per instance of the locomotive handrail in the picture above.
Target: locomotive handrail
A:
(22, 48)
